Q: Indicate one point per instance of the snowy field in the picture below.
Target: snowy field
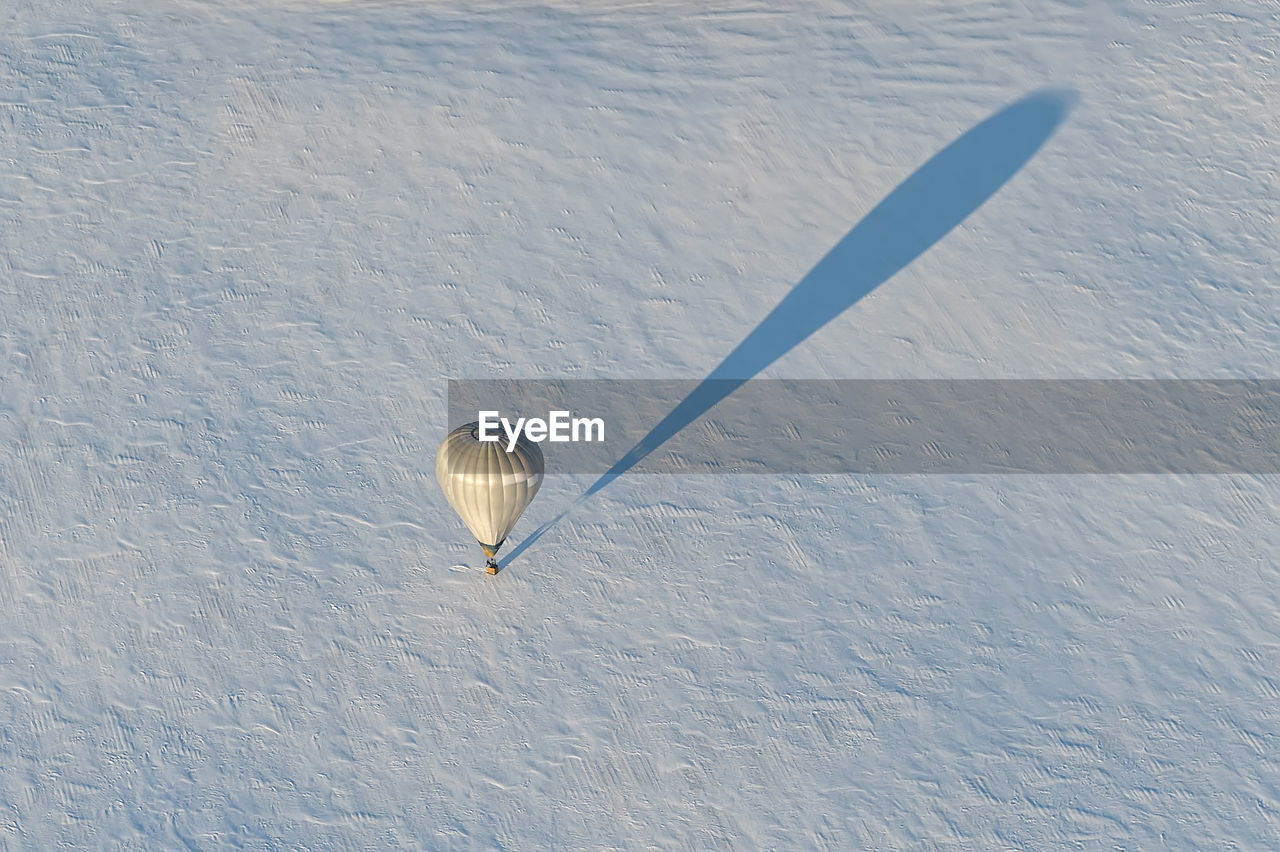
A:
(244, 245)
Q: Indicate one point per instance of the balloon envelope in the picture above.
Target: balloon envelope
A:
(487, 486)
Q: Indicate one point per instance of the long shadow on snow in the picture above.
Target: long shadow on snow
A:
(921, 211)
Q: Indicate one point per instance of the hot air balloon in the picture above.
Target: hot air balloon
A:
(486, 485)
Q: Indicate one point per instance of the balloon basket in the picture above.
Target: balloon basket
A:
(491, 566)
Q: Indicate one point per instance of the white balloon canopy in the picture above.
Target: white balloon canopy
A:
(486, 485)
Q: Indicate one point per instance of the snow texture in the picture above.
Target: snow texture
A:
(243, 246)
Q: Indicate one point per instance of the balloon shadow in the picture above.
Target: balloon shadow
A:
(920, 211)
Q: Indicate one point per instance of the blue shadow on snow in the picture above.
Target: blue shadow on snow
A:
(919, 212)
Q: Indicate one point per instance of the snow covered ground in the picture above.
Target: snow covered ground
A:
(243, 246)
